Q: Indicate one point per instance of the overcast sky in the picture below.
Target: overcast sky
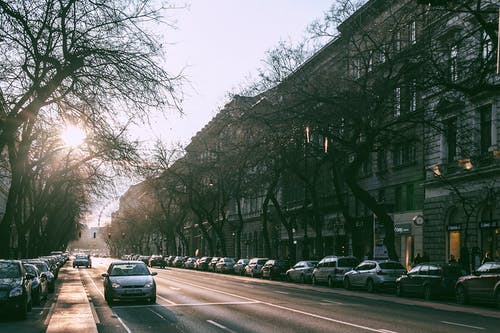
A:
(218, 44)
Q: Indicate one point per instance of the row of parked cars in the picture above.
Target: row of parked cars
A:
(26, 282)
(426, 280)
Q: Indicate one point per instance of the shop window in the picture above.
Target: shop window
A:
(454, 244)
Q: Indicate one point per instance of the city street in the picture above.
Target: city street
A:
(193, 301)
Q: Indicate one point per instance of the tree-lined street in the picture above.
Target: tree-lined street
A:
(193, 301)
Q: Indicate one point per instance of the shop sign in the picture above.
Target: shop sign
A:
(403, 228)
(486, 225)
(454, 227)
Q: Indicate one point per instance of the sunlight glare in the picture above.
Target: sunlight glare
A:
(73, 136)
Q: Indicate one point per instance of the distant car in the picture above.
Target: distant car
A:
(331, 269)
(144, 259)
(156, 260)
(82, 260)
(483, 286)
(225, 265)
(374, 274)
(39, 287)
(239, 267)
(15, 288)
(275, 269)
(129, 280)
(189, 262)
(202, 263)
(301, 271)
(213, 263)
(178, 261)
(254, 266)
(430, 280)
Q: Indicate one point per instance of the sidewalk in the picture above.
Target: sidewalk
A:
(72, 312)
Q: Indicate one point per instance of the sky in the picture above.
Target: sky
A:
(218, 44)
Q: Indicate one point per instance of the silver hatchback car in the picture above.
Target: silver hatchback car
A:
(374, 274)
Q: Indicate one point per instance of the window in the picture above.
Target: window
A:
(381, 160)
(454, 63)
(412, 33)
(356, 68)
(397, 198)
(397, 102)
(403, 154)
(485, 130)
(410, 197)
(487, 46)
(413, 96)
(451, 139)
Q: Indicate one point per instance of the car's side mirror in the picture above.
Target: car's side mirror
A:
(154, 273)
(104, 274)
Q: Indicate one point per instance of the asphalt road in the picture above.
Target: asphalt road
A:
(192, 301)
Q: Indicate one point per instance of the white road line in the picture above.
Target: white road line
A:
(175, 288)
(463, 325)
(331, 302)
(166, 300)
(156, 313)
(386, 331)
(282, 292)
(371, 329)
(219, 325)
(220, 303)
(121, 322)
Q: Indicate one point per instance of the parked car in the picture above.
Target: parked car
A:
(225, 265)
(82, 260)
(374, 275)
(301, 271)
(44, 271)
(178, 261)
(213, 263)
(239, 267)
(331, 269)
(254, 266)
(189, 262)
(15, 288)
(275, 269)
(430, 280)
(156, 260)
(39, 288)
(144, 259)
(202, 263)
(129, 280)
(483, 286)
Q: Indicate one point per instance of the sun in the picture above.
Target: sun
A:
(72, 136)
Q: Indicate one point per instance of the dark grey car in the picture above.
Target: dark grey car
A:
(129, 280)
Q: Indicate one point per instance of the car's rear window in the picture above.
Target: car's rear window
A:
(391, 265)
(347, 262)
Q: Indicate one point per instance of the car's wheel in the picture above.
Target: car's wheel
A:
(399, 290)
(347, 283)
(461, 295)
(370, 286)
(302, 279)
(427, 293)
(314, 281)
(330, 282)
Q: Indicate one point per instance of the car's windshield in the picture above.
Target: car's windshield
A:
(9, 270)
(129, 269)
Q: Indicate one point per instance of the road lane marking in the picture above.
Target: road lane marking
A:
(219, 303)
(366, 328)
(158, 314)
(282, 292)
(122, 323)
(175, 288)
(386, 331)
(166, 300)
(463, 325)
(331, 302)
(219, 325)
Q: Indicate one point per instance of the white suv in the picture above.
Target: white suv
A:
(331, 269)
